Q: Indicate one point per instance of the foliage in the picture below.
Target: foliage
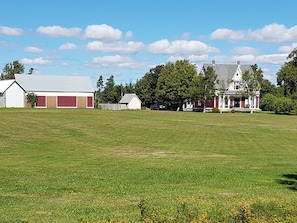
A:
(204, 86)
(215, 110)
(287, 75)
(109, 94)
(10, 69)
(267, 88)
(146, 87)
(251, 83)
(32, 99)
(174, 83)
(283, 105)
(267, 102)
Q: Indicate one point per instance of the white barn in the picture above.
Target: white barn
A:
(131, 101)
(11, 94)
(55, 91)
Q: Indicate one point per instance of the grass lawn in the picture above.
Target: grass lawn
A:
(88, 165)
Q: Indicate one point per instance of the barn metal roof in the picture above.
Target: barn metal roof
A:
(5, 84)
(54, 83)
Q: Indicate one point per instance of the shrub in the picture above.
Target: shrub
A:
(32, 99)
(267, 103)
(215, 110)
(232, 111)
(283, 105)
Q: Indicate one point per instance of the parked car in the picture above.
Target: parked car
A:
(158, 107)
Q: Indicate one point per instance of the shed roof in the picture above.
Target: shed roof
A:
(127, 98)
(54, 83)
(5, 84)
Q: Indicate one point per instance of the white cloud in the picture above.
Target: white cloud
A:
(191, 58)
(113, 61)
(272, 33)
(118, 62)
(129, 35)
(277, 59)
(32, 49)
(68, 46)
(180, 47)
(58, 31)
(118, 47)
(244, 50)
(287, 49)
(36, 61)
(102, 32)
(8, 31)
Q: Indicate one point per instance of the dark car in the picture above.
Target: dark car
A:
(158, 107)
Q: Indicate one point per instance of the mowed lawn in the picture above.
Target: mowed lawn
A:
(89, 165)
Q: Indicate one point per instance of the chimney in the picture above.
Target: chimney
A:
(238, 62)
(213, 62)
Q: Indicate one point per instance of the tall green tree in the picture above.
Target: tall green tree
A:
(98, 92)
(251, 83)
(174, 83)
(10, 69)
(287, 75)
(205, 86)
(109, 94)
(146, 87)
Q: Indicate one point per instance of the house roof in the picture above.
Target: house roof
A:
(226, 71)
(5, 84)
(54, 83)
(127, 98)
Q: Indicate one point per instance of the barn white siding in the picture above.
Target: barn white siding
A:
(15, 96)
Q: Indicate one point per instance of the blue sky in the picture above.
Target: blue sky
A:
(125, 38)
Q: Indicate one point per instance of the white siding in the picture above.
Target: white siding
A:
(134, 104)
(15, 96)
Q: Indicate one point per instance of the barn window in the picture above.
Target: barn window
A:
(41, 101)
(66, 101)
(89, 101)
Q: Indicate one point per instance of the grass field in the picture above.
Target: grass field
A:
(88, 165)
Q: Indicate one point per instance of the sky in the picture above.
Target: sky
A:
(126, 38)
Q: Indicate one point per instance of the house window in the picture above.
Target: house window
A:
(236, 85)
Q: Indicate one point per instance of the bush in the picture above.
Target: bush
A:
(215, 110)
(283, 105)
(267, 103)
(32, 99)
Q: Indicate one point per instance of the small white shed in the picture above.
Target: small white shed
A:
(131, 101)
(12, 95)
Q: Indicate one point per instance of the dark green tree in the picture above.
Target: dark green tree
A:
(109, 94)
(98, 92)
(267, 88)
(32, 99)
(174, 83)
(205, 86)
(146, 87)
(11, 69)
(287, 75)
